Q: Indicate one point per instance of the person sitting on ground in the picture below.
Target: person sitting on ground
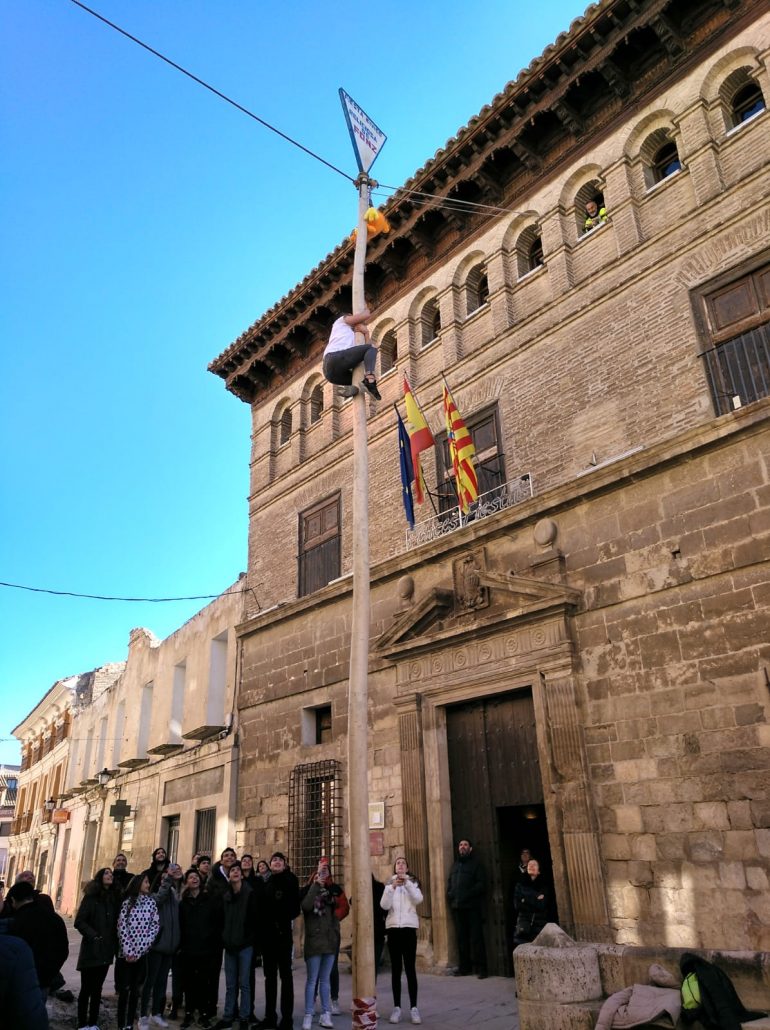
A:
(596, 215)
(343, 354)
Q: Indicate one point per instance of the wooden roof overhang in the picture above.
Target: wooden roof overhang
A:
(611, 58)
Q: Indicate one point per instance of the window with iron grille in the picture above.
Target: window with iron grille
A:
(315, 817)
(737, 322)
(205, 828)
(490, 465)
(319, 546)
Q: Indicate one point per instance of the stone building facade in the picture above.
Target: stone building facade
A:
(582, 666)
(163, 735)
(9, 778)
(45, 740)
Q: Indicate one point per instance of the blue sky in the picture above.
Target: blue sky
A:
(145, 225)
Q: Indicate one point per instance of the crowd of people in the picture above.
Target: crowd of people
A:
(168, 934)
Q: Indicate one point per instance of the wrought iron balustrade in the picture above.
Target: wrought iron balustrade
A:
(505, 495)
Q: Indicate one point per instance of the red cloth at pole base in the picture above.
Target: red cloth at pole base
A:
(364, 1013)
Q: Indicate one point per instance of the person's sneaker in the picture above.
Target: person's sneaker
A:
(144, 1022)
(371, 386)
(395, 1016)
(307, 1022)
(326, 1020)
(415, 1014)
(336, 1010)
(187, 1022)
(156, 1019)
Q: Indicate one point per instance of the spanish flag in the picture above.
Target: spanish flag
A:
(420, 438)
(462, 453)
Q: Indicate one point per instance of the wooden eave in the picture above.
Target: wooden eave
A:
(534, 125)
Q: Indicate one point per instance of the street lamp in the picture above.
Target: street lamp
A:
(50, 804)
(104, 776)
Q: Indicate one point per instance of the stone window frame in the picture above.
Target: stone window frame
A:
(656, 156)
(592, 189)
(446, 496)
(312, 831)
(711, 337)
(476, 288)
(526, 243)
(328, 531)
(739, 80)
(429, 321)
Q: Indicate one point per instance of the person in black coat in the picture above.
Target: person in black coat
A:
(25, 876)
(378, 922)
(42, 929)
(531, 901)
(97, 921)
(120, 874)
(466, 893)
(21, 1000)
(155, 870)
(200, 926)
(720, 1007)
(281, 905)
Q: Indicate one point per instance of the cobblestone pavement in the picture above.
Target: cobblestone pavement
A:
(445, 1002)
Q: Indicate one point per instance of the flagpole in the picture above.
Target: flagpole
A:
(364, 986)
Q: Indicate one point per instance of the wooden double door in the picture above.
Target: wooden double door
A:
(497, 802)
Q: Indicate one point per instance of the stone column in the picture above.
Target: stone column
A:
(555, 251)
(579, 830)
(413, 791)
(499, 293)
(621, 207)
(698, 153)
(451, 333)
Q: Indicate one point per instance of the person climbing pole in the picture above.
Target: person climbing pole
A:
(342, 354)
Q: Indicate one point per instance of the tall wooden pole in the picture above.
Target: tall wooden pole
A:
(364, 987)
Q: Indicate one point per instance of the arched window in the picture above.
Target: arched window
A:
(660, 157)
(285, 430)
(388, 352)
(746, 102)
(316, 404)
(529, 251)
(590, 208)
(476, 289)
(665, 162)
(430, 322)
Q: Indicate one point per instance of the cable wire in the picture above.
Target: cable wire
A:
(451, 200)
(102, 597)
(212, 89)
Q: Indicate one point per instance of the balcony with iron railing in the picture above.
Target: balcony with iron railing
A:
(22, 823)
(451, 517)
(739, 369)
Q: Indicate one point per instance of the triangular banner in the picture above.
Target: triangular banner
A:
(367, 139)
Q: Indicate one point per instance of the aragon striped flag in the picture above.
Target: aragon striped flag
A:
(462, 453)
(420, 438)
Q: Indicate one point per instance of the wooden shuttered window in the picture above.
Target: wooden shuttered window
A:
(738, 360)
(319, 545)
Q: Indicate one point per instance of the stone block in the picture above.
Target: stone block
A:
(712, 815)
(732, 875)
(643, 847)
(535, 1015)
(568, 974)
(629, 818)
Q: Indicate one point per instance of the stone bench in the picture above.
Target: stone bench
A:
(561, 984)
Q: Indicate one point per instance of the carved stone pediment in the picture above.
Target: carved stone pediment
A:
(480, 602)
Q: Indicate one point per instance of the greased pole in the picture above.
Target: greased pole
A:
(364, 986)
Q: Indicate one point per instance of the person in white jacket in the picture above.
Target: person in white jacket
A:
(400, 899)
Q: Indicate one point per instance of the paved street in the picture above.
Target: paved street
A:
(444, 1002)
